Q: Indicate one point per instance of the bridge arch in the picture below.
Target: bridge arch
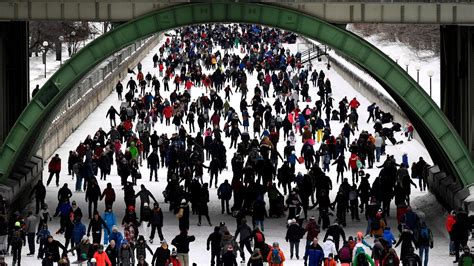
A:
(446, 147)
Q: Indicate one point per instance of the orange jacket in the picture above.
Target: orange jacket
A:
(328, 262)
(269, 257)
(102, 259)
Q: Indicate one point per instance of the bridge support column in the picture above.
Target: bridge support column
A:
(14, 73)
(457, 79)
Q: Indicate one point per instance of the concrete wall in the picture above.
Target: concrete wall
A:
(65, 124)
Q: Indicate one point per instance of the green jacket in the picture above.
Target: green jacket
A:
(466, 260)
(367, 256)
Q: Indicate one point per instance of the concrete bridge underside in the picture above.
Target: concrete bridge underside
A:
(334, 11)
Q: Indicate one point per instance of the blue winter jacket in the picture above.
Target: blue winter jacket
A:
(302, 120)
(315, 256)
(405, 160)
(292, 159)
(117, 237)
(388, 236)
(78, 232)
(109, 219)
(411, 220)
(65, 209)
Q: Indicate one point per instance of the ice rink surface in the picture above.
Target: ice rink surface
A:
(275, 229)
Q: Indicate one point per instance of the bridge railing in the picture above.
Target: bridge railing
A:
(90, 91)
(98, 75)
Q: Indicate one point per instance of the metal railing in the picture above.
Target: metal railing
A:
(96, 76)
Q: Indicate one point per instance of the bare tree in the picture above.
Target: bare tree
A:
(73, 33)
(418, 36)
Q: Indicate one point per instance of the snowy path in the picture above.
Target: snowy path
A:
(274, 228)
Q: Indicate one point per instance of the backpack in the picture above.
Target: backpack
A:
(276, 258)
(16, 238)
(410, 260)
(259, 237)
(424, 234)
(390, 261)
(362, 260)
(375, 225)
(345, 254)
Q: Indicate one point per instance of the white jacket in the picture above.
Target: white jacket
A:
(329, 247)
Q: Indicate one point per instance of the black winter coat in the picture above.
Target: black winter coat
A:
(294, 233)
(229, 259)
(96, 225)
(53, 248)
(112, 253)
(160, 257)
(181, 242)
(157, 217)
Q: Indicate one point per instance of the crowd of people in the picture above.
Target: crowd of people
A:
(292, 104)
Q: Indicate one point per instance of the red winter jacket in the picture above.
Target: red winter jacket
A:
(140, 76)
(168, 111)
(354, 103)
(215, 119)
(55, 165)
(353, 161)
(450, 221)
(102, 259)
(108, 194)
(173, 261)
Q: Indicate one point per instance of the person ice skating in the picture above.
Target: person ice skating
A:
(256, 259)
(293, 235)
(245, 233)
(96, 225)
(156, 222)
(31, 223)
(112, 253)
(54, 168)
(40, 194)
(202, 205)
(101, 257)
(153, 162)
(162, 255)
(110, 221)
(17, 239)
(224, 193)
(425, 242)
(362, 258)
(181, 242)
(229, 258)
(276, 256)
(173, 260)
(53, 247)
(126, 257)
(141, 247)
